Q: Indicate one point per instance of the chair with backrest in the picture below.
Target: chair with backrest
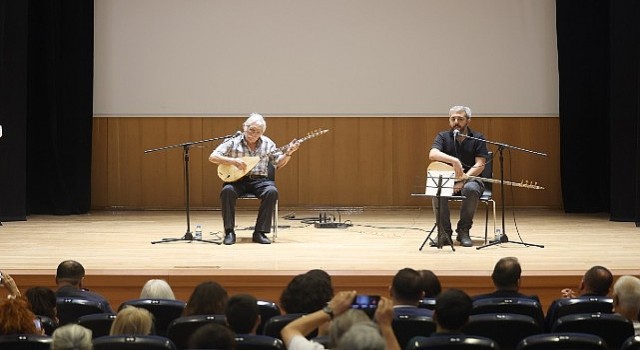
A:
(562, 341)
(452, 342)
(613, 328)
(275, 324)
(427, 303)
(164, 311)
(267, 310)
(579, 305)
(522, 306)
(70, 309)
(47, 324)
(487, 196)
(274, 221)
(99, 324)
(506, 329)
(632, 343)
(25, 342)
(133, 342)
(182, 328)
(258, 342)
(405, 327)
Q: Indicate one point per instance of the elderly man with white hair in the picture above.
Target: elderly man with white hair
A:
(626, 299)
(251, 143)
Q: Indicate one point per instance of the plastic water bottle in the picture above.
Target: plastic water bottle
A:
(498, 235)
(198, 232)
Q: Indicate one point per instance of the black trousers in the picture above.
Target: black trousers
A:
(262, 188)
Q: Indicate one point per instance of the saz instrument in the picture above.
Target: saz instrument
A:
(440, 166)
(229, 173)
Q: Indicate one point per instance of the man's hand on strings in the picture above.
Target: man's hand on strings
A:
(292, 147)
(239, 163)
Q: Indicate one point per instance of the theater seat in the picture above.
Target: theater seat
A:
(133, 342)
(25, 342)
(451, 342)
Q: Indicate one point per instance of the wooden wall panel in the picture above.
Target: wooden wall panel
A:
(363, 161)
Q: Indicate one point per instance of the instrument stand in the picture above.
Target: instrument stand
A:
(504, 238)
(443, 238)
(188, 236)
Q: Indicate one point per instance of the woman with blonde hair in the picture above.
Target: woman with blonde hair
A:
(71, 337)
(132, 320)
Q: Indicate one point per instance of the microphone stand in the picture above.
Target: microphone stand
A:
(188, 236)
(501, 147)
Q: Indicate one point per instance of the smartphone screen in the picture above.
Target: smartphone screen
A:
(366, 303)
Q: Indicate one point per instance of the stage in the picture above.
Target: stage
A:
(116, 249)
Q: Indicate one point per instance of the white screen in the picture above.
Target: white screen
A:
(324, 57)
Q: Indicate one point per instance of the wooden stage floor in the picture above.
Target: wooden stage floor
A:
(115, 248)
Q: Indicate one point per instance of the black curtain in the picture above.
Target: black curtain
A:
(57, 115)
(625, 111)
(598, 66)
(13, 109)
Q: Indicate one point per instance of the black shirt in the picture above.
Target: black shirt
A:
(466, 151)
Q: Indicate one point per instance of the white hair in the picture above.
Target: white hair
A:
(362, 336)
(71, 337)
(157, 289)
(627, 290)
(257, 119)
(456, 109)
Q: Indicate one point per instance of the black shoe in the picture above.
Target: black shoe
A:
(230, 238)
(463, 238)
(260, 237)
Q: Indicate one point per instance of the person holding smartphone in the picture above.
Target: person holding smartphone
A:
(294, 334)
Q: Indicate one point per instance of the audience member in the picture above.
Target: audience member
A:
(596, 281)
(71, 337)
(506, 278)
(208, 298)
(43, 302)
(132, 320)
(10, 285)
(453, 307)
(430, 284)
(626, 299)
(323, 275)
(157, 289)
(213, 336)
(243, 315)
(406, 292)
(16, 317)
(306, 293)
(362, 336)
(294, 334)
(69, 279)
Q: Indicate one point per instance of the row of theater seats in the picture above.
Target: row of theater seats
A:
(132, 342)
(507, 321)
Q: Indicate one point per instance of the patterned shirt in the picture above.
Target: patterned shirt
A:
(237, 146)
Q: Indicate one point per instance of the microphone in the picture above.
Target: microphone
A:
(455, 133)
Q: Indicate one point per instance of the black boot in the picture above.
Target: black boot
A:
(230, 238)
(463, 238)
